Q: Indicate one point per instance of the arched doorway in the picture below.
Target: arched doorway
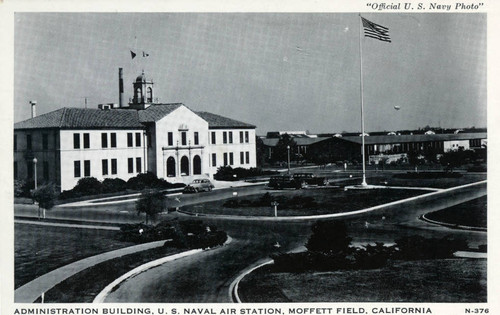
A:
(170, 167)
(184, 165)
(196, 165)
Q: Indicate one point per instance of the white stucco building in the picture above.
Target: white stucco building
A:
(170, 140)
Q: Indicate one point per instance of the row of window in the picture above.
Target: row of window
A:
(104, 140)
(105, 167)
(184, 141)
(229, 158)
(109, 139)
(227, 137)
(45, 142)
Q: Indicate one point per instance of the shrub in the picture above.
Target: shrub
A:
(110, 185)
(88, 186)
(183, 234)
(19, 188)
(329, 236)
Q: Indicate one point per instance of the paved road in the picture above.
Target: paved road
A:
(125, 212)
(206, 277)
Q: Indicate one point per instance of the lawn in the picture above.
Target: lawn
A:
(329, 200)
(446, 280)
(85, 285)
(472, 213)
(435, 183)
(40, 249)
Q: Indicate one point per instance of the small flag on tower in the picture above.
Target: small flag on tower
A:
(376, 31)
(133, 54)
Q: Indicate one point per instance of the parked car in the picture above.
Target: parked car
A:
(198, 185)
(285, 181)
(310, 179)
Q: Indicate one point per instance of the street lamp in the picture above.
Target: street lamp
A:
(288, 149)
(34, 164)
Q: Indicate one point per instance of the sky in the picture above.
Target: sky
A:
(278, 71)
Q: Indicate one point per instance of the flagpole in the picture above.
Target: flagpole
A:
(363, 183)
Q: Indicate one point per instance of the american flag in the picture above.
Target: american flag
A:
(376, 31)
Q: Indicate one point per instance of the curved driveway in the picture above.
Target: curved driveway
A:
(206, 277)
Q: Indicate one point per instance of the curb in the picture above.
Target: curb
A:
(233, 287)
(453, 226)
(134, 272)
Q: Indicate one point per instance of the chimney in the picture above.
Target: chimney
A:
(120, 86)
(33, 109)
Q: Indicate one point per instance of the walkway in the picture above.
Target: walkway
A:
(30, 292)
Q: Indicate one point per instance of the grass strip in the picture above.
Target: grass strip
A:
(472, 213)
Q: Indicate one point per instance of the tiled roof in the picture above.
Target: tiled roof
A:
(76, 118)
(156, 112)
(299, 141)
(218, 122)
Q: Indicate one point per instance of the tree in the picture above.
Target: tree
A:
(280, 152)
(45, 196)
(329, 237)
(454, 159)
(415, 159)
(261, 151)
(151, 203)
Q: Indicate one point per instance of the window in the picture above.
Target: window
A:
(137, 139)
(29, 167)
(183, 138)
(15, 142)
(242, 157)
(46, 170)
(114, 167)
(246, 137)
(130, 165)
(230, 137)
(170, 138)
(15, 170)
(149, 95)
(196, 138)
(138, 165)
(214, 138)
(225, 159)
(224, 137)
(113, 140)
(247, 154)
(86, 168)
(28, 142)
(104, 140)
(130, 140)
(104, 167)
(214, 159)
(76, 168)
(231, 158)
(241, 136)
(86, 141)
(45, 141)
